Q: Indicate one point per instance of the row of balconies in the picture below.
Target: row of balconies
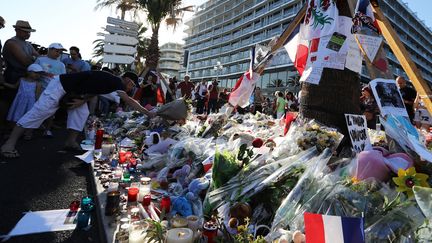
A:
(214, 30)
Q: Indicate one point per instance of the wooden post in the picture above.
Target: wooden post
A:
(403, 56)
(282, 38)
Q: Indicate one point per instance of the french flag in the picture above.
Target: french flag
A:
(243, 89)
(298, 50)
(333, 229)
(364, 14)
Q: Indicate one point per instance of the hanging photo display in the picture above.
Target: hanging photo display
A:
(388, 97)
(357, 129)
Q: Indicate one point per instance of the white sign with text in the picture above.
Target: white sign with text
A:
(357, 129)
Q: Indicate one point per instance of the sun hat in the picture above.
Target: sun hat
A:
(24, 26)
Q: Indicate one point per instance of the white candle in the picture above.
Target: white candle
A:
(179, 222)
(144, 188)
(180, 235)
(107, 149)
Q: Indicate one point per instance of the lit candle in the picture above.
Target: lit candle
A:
(180, 235)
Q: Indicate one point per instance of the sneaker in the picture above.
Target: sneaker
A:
(48, 134)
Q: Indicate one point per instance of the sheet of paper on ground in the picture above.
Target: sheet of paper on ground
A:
(42, 221)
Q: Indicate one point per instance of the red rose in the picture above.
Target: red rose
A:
(257, 143)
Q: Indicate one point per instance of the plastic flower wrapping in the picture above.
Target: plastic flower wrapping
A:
(242, 170)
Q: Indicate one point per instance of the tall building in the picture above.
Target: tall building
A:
(225, 30)
(170, 56)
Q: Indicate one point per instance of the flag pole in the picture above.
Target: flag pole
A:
(282, 39)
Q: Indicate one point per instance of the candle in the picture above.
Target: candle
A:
(210, 231)
(107, 149)
(144, 188)
(193, 222)
(179, 235)
(165, 204)
(179, 222)
(112, 186)
(99, 138)
(112, 203)
(132, 194)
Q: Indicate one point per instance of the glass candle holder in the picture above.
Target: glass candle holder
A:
(133, 194)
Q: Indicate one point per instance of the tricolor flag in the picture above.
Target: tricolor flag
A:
(252, 60)
(243, 89)
(161, 87)
(208, 163)
(333, 229)
(297, 50)
(364, 17)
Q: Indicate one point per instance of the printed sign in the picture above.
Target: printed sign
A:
(336, 41)
(357, 129)
(388, 97)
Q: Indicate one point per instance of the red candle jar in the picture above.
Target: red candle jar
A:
(124, 156)
(74, 206)
(132, 194)
(99, 139)
(146, 200)
(165, 204)
(210, 231)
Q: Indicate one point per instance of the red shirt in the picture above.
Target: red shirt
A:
(186, 89)
(214, 92)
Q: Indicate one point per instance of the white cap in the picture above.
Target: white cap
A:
(35, 68)
(57, 46)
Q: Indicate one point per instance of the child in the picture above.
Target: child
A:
(280, 104)
(26, 95)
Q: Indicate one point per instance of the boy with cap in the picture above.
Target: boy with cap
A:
(51, 65)
(84, 84)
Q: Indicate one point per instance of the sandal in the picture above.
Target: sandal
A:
(10, 154)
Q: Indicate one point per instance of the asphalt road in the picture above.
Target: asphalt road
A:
(43, 178)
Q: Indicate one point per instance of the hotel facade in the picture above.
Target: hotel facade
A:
(221, 34)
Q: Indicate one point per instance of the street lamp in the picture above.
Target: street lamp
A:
(218, 69)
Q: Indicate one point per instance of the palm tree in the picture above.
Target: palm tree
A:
(98, 49)
(337, 94)
(122, 5)
(157, 11)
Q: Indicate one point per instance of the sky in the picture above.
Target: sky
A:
(71, 22)
(76, 22)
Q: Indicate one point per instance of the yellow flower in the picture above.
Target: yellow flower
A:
(408, 178)
(355, 180)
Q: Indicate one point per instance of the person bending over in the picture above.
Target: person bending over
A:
(84, 85)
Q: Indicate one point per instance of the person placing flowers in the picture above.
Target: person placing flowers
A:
(80, 87)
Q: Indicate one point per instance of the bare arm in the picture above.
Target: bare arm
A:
(19, 53)
(134, 104)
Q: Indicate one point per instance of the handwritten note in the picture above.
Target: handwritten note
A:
(354, 59)
(357, 129)
(370, 44)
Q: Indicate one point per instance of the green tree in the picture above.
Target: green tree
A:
(122, 5)
(157, 11)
